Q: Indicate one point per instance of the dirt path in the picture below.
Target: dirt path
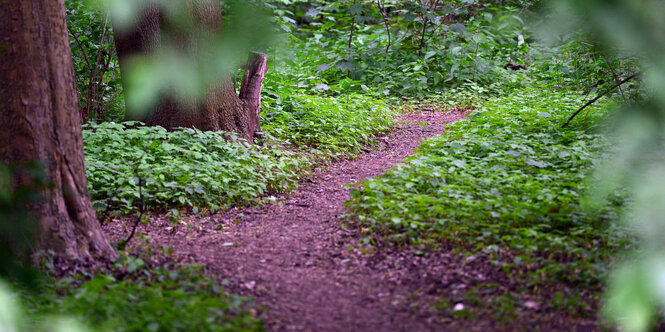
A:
(296, 259)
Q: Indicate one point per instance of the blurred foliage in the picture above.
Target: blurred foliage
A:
(635, 29)
(18, 228)
(247, 26)
(14, 317)
(189, 57)
(20, 186)
(132, 296)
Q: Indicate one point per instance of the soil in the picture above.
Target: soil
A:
(299, 259)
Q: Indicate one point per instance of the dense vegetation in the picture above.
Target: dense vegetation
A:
(509, 183)
(509, 177)
(130, 296)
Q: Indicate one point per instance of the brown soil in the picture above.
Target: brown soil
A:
(298, 260)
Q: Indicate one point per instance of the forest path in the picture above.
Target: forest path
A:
(295, 258)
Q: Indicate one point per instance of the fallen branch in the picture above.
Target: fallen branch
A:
(598, 97)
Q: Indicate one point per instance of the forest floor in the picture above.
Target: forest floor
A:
(302, 262)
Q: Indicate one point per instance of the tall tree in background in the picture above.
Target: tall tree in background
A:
(221, 108)
(39, 122)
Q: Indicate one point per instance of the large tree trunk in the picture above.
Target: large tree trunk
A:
(222, 108)
(39, 122)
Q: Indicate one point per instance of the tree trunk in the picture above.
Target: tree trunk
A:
(222, 108)
(39, 122)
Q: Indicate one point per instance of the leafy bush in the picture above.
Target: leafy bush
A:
(13, 316)
(182, 168)
(157, 299)
(508, 178)
(411, 51)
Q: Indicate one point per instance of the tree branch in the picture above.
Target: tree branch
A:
(85, 56)
(598, 97)
(250, 88)
(382, 9)
(92, 84)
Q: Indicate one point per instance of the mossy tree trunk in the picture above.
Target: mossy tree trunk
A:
(222, 108)
(39, 122)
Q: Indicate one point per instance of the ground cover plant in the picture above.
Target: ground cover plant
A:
(325, 125)
(187, 168)
(130, 296)
(508, 183)
(190, 168)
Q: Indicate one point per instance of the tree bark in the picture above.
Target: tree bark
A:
(222, 108)
(39, 122)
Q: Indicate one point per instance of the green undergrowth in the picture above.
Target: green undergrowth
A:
(508, 180)
(128, 165)
(133, 297)
(471, 95)
(325, 125)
